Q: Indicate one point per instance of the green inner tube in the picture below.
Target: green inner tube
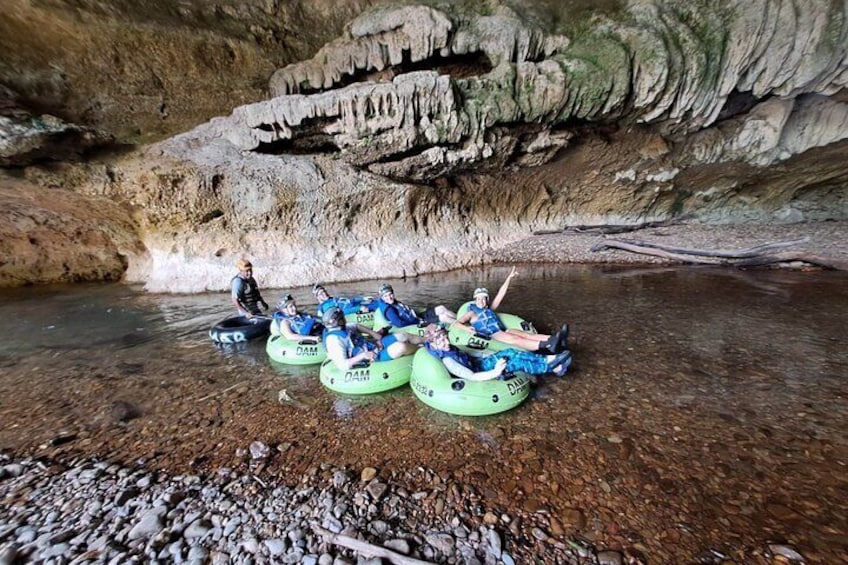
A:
(435, 387)
(381, 322)
(286, 351)
(362, 318)
(379, 376)
(462, 338)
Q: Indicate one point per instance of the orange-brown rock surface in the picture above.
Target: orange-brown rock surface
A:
(427, 137)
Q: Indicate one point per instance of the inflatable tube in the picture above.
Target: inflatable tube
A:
(381, 322)
(275, 327)
(365, 319)
(436, 387)
(462, 338)
(367, 379)
(288, 352)
(240, 328)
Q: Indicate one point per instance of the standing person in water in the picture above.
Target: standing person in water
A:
(245, 294)
(346, 344)
(347, 305)
(294, 325)
(487, 365)
(400, 315)
(484, 321)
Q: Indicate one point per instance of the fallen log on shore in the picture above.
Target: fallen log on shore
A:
(756, 256)
(610, 229)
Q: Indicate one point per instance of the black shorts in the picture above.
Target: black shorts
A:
(430, 316)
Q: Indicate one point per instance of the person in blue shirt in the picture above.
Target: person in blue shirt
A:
(400, 315)
(244, 293)
(346, 344)
(294, 325)
(484, 321)
(347, 305)
(488, 365)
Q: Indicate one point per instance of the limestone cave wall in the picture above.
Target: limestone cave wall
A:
(426, 135)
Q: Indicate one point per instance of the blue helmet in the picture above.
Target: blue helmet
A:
(333, 318)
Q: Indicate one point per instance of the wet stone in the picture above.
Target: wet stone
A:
(494, 539)
(609, 558)
(376, 489)
(539, 534)
(443, 543)
(275, 547)
(573, 517)
(398, 545)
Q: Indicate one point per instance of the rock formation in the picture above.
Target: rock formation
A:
(426, 135)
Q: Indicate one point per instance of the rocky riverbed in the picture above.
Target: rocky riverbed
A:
(703, 423)
(90, 511)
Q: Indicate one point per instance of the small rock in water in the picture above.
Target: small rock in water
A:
(339, 479)
(539, 534)
(490, 518)
(785, 551)
(259, 450)
(368, 473)
(609, 558)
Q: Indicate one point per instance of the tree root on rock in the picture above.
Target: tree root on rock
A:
(751, 257)
(365, 548)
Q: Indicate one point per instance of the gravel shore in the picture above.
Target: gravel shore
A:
(98, 512)
(821, 238)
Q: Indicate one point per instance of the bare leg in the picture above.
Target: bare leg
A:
(540, 337)
(445, 316)
(524, 341)
(406, 344)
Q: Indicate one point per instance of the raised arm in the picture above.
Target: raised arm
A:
(502, 290)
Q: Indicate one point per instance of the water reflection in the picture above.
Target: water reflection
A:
(703, 396)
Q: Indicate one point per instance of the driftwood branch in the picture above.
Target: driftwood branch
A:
(751, 257)
(609, 229)
(365, 548)
(824, 262)
(725, 253)
(625, 246)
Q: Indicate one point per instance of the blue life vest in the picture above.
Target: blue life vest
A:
(487, 322)
(453, 353)
(354, 343)
(346, 305)
(300, 324)
(398, 314)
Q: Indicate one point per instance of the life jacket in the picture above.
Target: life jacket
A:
(404, 313)
(453, 353)
(300, 324)
(354, 343)
(249, 295)
(346, 305)
(487, 322)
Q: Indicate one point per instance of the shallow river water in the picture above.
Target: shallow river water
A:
(705, 415)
